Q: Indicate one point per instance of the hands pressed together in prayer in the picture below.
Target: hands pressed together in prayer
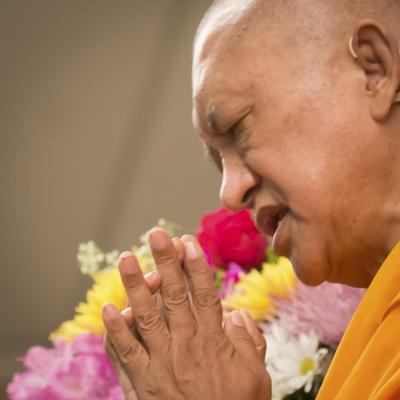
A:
(172, 343)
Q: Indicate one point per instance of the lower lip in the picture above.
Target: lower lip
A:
(280, 239)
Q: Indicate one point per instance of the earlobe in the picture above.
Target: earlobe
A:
(376, 52)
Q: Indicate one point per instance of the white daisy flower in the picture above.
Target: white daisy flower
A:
(292, 361)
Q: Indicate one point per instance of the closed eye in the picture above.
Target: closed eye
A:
(238, 134)
(237, 130)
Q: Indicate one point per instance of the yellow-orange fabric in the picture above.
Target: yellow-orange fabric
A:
(367, 363)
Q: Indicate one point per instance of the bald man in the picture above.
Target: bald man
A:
(296, 102)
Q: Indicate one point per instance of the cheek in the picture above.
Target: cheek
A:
(300, 178)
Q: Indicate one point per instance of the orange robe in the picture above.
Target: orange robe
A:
(367, 363)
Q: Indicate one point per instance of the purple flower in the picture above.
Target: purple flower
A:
(326, 310)
(74, 370)
(231, 277)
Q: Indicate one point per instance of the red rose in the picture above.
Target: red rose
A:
(228, 236)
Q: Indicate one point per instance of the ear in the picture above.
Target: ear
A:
(377, 53)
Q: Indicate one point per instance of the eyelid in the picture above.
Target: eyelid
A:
(232, 130)
(234, 127)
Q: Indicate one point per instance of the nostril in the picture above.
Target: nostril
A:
(246, 197)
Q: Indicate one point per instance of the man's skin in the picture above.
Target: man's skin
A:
(300, 129)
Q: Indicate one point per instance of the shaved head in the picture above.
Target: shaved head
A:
(315, 20)
(346, 10)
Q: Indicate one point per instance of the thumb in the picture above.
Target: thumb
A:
(235, 329)
(123, 378)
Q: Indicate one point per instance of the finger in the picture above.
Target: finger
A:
(174, 288)
(130, 320)
(237, 333)
(128, 316)
(123, 378)
(153, 281)
(143, 304)
(180, 249)
(206, 301)
(256, 335)
(131, 354)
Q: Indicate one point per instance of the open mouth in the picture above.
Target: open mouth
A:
(269, 217)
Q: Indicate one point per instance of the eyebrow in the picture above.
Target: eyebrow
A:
(212, 119)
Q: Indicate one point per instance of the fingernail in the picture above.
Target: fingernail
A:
(237, 318)
(177, 242)
(109, 311)
(188, 238)
(192, 251)
(127, 264)
(150, 275)
(126, 311)
(158, 239)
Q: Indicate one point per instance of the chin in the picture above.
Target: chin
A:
(312, 271)
(307, 277)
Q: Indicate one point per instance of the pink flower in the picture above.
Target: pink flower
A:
(231, 277)
(326, 309)
(77, 370)
(228, 236)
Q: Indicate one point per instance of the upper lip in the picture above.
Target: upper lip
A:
(268, 218)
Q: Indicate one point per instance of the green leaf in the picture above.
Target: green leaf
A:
(272, 257)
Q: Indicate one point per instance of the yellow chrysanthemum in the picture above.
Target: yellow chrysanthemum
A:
(107, 288)
(256, 290)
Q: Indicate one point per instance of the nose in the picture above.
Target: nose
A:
(238, 185)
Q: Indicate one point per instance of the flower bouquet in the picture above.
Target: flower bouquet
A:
(301, 335)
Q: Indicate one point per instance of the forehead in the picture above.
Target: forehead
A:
(222, 33)
(221, 70)
(256, 54)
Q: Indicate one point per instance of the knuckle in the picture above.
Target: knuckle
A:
(152, 387)
(200, 274)
(224, 349)
(148, 320)
(240, 335)
(134, 282)
(205, 298)
(175, 295)
(129, 352)
(166, 258)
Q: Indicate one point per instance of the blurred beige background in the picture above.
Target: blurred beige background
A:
(96, 143)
